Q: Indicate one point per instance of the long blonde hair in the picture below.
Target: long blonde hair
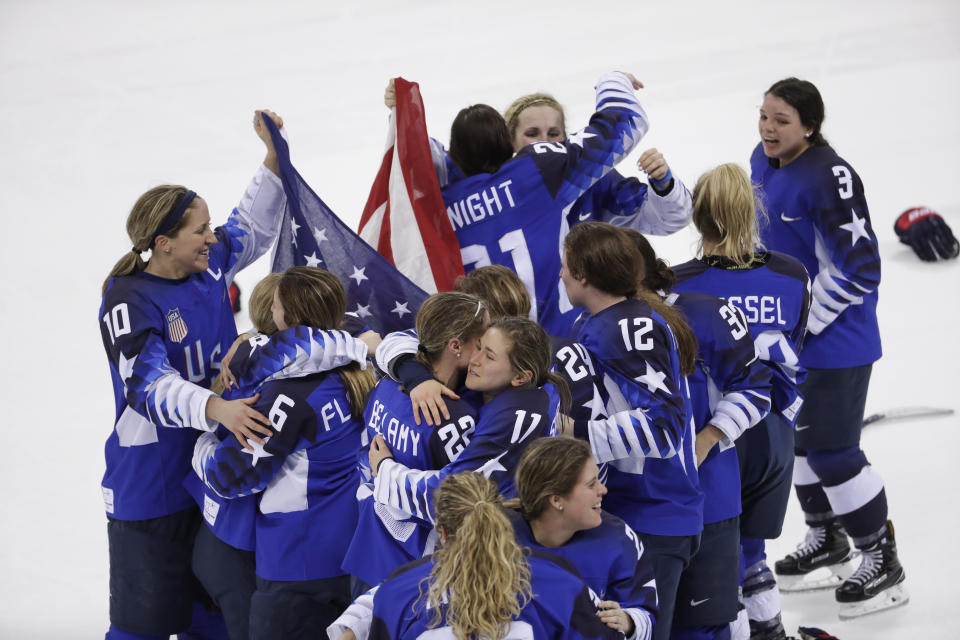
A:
(726, 212)
(480, 569)
(315, 298)
(144, 219)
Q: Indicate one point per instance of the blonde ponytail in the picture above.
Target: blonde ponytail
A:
(481, 569)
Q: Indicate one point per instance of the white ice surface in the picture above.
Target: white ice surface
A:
(101, 100)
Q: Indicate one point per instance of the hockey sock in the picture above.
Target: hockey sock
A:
(810, 494)
(760, 594)
(855, 492)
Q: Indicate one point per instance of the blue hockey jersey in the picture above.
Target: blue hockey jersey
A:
(610, 559)
(293, 352)
(562, 608)
(386, 538)
(730, 389)
(306, 471)
(507, 424)
(773, 294)
(517, 216)
(646, 442)
(818, 214)
(164, 340)
(628, 202)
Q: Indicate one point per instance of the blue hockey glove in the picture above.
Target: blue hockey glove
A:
(927, 234)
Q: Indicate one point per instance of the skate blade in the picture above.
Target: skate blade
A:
(895, 596)
(819, 579)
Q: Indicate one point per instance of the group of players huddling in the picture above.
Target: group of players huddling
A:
(629, 431)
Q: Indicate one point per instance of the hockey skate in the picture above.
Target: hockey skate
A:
(878, 582)
(822, 561)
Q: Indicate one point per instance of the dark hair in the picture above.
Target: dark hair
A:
(657, 274)
(803, 96)
(605, 257)
(479, 141)
(549, 467)
(611, 261)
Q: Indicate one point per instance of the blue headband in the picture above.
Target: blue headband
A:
(172, 218)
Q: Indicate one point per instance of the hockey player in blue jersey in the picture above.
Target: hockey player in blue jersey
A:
(558, 509)
(660, 209)
(512, 209)
(771, 290)
(647, 435)
(223, 555)
(449, 326)
(305, 470)
(510, 370)
(730, 393)
(165, 324)
(223, 552)
(481, 583)
(818, 214)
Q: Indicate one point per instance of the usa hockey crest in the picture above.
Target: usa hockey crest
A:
(176, 327)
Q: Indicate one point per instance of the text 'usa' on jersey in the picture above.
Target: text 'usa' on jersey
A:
(818, 213)
(517, 216)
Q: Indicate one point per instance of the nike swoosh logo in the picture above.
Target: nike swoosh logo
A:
(695, 603)
(584, 216)
(801, 427)
(216, 276)
(784, 217)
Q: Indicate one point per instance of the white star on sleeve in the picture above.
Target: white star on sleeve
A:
(320, 235)
(258, 451)
(654, 380)
(358, 274)
(491, 466)
(577, 137)
(400, 309)
(313, 260)
(857, 228)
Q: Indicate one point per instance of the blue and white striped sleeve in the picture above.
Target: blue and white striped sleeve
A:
(846, 248)
(254, 224)
(394, 345)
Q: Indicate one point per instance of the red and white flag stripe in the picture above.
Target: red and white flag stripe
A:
(405, 214)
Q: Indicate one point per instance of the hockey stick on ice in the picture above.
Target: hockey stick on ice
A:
(906, 412)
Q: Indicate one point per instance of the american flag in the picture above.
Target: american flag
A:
(312, 235)
(176, 327)
(405, 213)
